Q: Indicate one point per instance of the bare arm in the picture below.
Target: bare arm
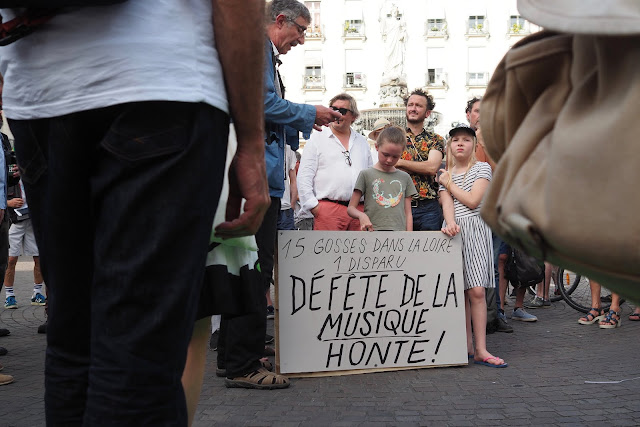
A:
(449, 214)
(293, 186)
(407, 213)
(428, 167)
(470, 199)
(352, 210)
(241, 54)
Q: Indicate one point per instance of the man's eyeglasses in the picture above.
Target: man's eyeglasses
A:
(342, 111)
(347, 156)
(301, 30)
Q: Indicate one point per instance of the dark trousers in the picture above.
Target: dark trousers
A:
(241, 342)
(4, 246)
(128, 193)
(427, 216)
(266, 240)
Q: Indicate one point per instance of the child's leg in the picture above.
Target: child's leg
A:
(478, 310)
(467, 315)
(479, 319)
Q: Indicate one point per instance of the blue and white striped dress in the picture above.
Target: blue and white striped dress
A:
(477, 244)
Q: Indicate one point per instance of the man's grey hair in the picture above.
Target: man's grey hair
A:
(292, 9)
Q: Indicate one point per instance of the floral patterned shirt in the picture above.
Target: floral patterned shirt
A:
(417, 150)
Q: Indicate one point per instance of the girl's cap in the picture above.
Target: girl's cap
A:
(462, 127)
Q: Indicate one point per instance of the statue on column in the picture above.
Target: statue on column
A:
(394, 33)
(393, 86)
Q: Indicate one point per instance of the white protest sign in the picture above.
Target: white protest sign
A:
(362, 300)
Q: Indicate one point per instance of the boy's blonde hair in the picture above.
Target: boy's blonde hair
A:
(392, 134)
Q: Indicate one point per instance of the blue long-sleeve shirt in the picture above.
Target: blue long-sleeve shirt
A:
(283, 121)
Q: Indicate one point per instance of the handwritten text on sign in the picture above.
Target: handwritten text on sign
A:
(360, 300)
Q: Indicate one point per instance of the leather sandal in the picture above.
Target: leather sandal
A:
(259, 379)
(611, 322)
(222, 372)
(592, 318)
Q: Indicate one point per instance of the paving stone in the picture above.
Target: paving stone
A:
(544, 384)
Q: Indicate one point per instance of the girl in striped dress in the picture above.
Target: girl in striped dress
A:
(462, 187)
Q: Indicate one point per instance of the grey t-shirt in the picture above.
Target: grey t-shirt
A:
(384, 194)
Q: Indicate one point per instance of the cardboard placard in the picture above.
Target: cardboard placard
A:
(353, 301)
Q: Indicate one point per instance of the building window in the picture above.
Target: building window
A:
(354, 64)
(354, 27)
(313, 78)
(353, 20)
(437, 27)
(314, 31)
(476, 23)
(477, 79)
(435, 76)
(518, 25)
(477, 74)
(355, 80)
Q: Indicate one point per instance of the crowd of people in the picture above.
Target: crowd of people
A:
(133, 139)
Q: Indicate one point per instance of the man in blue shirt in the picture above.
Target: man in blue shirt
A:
(285, 29)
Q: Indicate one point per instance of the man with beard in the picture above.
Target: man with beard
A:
(422, 159)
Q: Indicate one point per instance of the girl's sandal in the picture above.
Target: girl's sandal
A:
(611, 322)
(634, 317)
(592, 318)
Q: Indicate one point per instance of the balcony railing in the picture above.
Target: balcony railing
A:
(519, 28)
(437, 79)
(477, 28)
(355, 80)
(314, 33)
(313, 82)
(353, 29)
(477, 79)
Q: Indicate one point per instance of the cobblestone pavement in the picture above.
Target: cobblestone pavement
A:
(545, 384)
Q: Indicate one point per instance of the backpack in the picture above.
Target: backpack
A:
(37, 13)
(523, 270)
(10, 161)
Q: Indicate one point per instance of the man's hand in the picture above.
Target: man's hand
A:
(325, 115)
(15, 203)
(314, 211)
(248, 180)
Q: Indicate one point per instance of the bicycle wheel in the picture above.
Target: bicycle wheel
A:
(574, 289)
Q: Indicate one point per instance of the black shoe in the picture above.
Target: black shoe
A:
(271, 312)
(4, 332)
(503, 326)
(42, 329)
(491, 327)
(213, 342)
(3, 351)
(268, 339)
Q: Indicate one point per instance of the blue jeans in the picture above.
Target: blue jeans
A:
(427, 216)
(285, 220)
(122, 201)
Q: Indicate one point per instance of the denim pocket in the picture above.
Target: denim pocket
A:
(32, 162)
(150, 129)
